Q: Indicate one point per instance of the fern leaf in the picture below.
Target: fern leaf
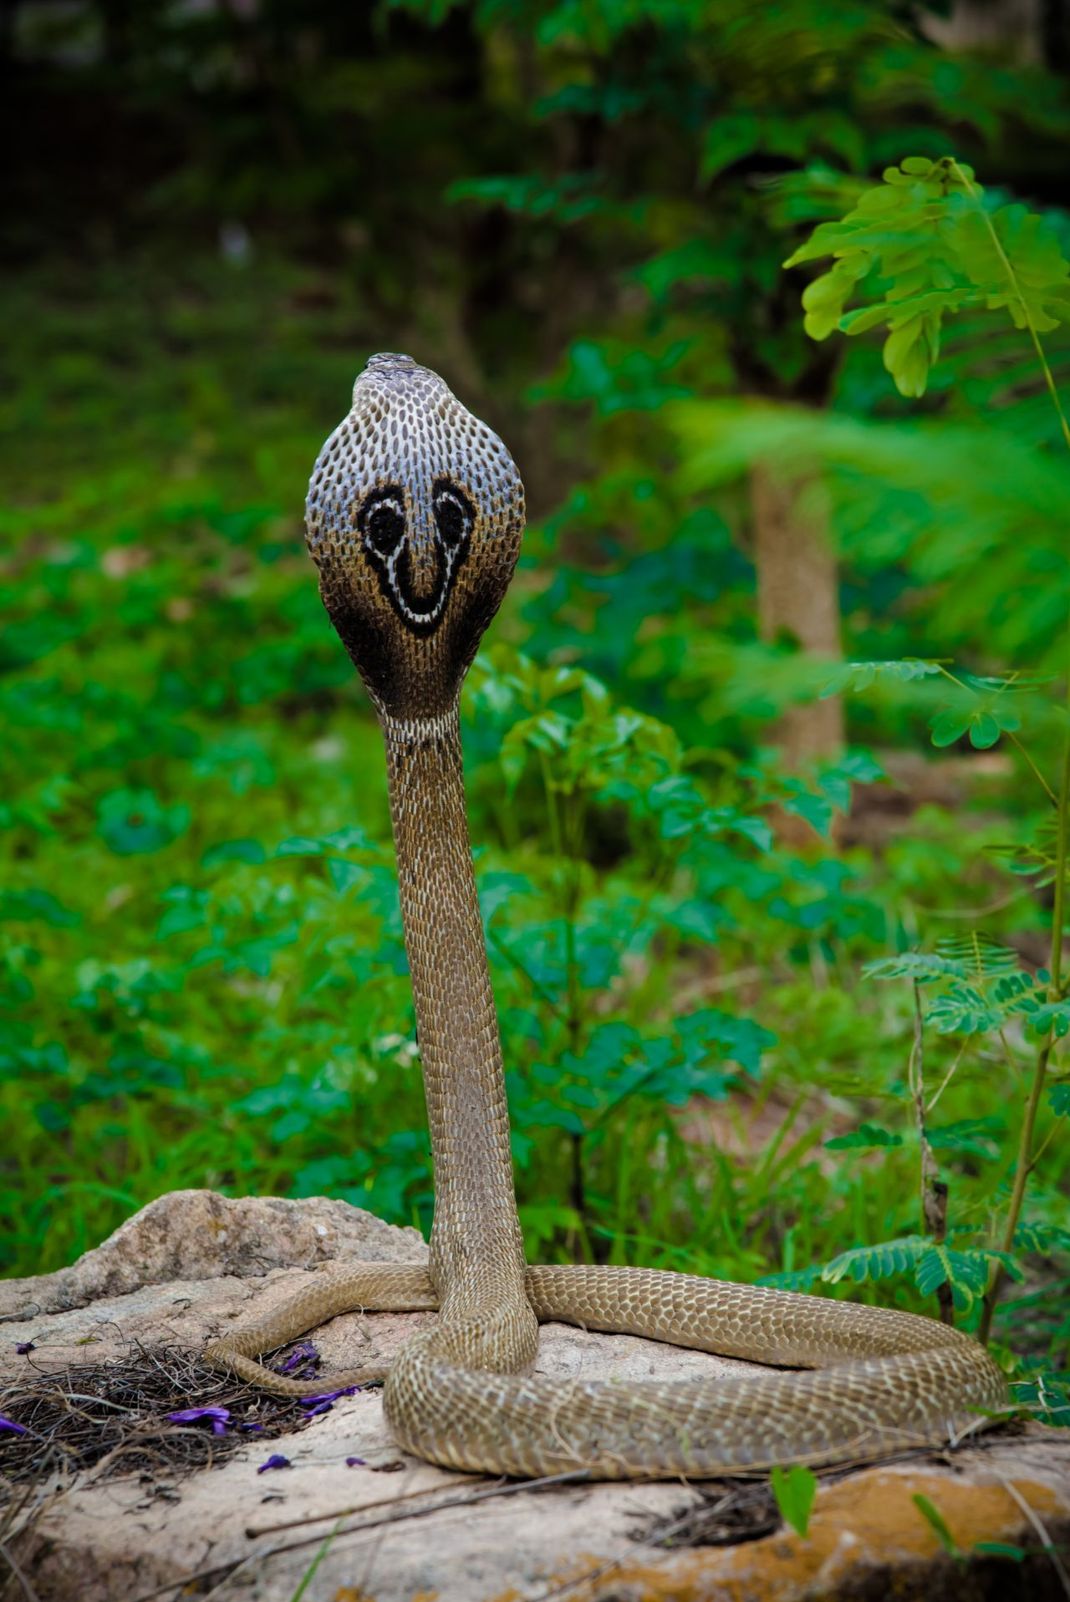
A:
(1041, 1238)
(880, 1261)
(794, 1279)
(963, 1010)
(916, 965)
(982, 956)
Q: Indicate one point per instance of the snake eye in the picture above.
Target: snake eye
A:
(382, 521)
(454, 513)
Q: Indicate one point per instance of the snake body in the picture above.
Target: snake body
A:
(415, 513)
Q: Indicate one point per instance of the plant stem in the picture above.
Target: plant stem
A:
(563, 831)
(1026, 1157)
(933, 1191)
(1022, 752)
(1027, 317)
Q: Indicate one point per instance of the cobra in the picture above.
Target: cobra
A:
(415, 513)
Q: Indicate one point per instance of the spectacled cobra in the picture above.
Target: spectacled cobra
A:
(415, 513)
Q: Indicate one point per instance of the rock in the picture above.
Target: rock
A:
(197, 1235)
(176, 1272)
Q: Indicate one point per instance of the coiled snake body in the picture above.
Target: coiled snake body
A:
(415, 513)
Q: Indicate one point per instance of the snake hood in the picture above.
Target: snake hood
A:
(414, 517)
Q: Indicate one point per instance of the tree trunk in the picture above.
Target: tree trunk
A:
(798, 595)
(1009, 30)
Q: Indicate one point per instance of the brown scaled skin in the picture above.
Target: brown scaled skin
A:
(415, 514)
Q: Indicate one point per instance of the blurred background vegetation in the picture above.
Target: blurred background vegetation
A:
(688, 850)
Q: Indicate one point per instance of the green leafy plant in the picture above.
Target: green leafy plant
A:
(925, 242)
(927, 248)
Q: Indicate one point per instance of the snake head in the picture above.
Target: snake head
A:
(414, 516)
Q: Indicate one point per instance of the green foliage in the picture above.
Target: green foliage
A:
(132, 821)
(930, 1264)
(1044, 1396)
(923, 240)
(984, 988)
(879, 1261)
(867, 1137)
(860, 676)
(974, 514)
(794, 1490)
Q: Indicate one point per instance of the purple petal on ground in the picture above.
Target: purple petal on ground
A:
(24, 1348)
(303, 1353)
(250, 1426)
(312, 1402)
(355, 1462)
(218, 1417)
(276, 1460)
(16, 1429)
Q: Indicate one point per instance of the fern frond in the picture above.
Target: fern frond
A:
(981, 956)
(1042, 1238)
(967, 1272)
(880, 1261)
(916, 965)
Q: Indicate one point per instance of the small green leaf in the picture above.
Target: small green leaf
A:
(794, 1489)
(1007, 1549)
(935, 1519)
(984, 731)
(793, 1279)
(344, 875)
(1059, 1097)
(135, 821)
(36, 906)
(907, 356)
(816, 810)
(234, 851)
(948, 726)
(180, 919)
(299, 846)
(865, 1138)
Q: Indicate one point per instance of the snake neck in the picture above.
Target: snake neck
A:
(477, 1254)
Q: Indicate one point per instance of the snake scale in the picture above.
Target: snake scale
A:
(415, 513)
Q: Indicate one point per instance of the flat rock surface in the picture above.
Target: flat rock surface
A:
(388, 1528)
